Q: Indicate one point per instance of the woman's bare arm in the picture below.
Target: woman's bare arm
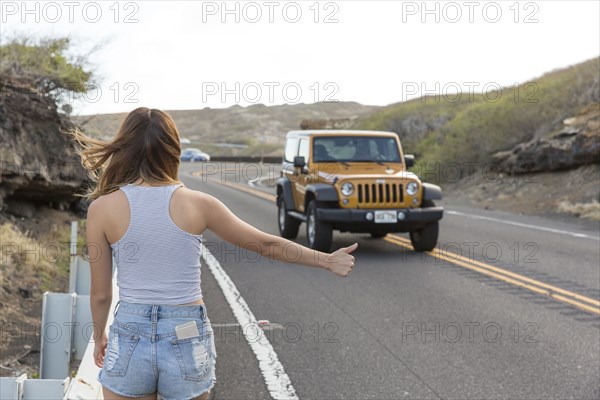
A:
(100, 256)
(232, 229)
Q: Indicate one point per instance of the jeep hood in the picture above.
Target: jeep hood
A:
(328, 173)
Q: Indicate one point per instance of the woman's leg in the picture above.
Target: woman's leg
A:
(108, 395)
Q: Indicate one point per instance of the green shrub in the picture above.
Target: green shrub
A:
(472, 129)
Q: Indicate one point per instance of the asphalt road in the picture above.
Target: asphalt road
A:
(407, 325)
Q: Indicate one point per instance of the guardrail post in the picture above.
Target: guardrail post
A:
(56, 334)
(73, 257)
(80, 276)
(83, 329)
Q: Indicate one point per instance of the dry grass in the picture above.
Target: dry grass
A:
(30, 263)
(20, 254)
(582, 210)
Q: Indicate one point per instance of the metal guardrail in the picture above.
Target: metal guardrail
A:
(22, 388)
(66, 336)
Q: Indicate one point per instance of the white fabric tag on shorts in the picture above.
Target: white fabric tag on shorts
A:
(187, 330)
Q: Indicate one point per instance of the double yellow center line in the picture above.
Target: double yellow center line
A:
(565, 296)
(583, 302)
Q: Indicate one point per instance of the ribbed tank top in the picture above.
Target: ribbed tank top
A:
(157, 262)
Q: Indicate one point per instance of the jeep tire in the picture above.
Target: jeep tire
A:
(288, 226)
(425, 238)
(318, 233)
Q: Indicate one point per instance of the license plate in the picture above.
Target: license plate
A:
(385, 217)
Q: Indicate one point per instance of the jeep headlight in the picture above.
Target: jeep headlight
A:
(347, 189)
(412, 188)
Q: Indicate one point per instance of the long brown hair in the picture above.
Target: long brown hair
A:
(146, 146)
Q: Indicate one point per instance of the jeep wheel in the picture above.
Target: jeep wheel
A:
(425, 239)
(288, 226)
(378, 235)
(318, 233)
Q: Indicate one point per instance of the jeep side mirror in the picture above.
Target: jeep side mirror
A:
(409, 160)
(299, 162)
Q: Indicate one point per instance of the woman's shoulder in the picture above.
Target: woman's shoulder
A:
(196, 196)
(106, 201)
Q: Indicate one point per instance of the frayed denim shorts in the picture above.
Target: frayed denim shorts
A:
(144, 355)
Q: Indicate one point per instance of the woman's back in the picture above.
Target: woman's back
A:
(156, 260)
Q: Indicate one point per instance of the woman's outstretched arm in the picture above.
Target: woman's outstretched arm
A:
(232, 229)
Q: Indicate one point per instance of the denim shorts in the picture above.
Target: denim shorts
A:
(144, 355)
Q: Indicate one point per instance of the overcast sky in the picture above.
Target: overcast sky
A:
(193, 54)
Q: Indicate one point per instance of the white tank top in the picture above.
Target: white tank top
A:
(157, 262)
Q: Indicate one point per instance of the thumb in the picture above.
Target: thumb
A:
(350, 248)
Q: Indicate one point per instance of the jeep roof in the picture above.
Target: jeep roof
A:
(309, 132)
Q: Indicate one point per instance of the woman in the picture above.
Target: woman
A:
(150, 225)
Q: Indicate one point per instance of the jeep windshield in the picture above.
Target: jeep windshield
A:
(355, 149)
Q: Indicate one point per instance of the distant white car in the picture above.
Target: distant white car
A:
(184, 141)
(193, 155)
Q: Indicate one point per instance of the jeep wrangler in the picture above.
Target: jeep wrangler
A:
(353, 181)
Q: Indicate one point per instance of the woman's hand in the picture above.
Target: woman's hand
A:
(340, 262)
(100, 350)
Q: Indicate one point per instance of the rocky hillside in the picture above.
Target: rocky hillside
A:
(261, 128)
(517, 153)
(39, 165)
(578, 143)
(472, 129)
(39, 175)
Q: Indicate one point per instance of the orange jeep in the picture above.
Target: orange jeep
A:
(353, 181)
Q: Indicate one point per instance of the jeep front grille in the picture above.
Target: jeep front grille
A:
(380, 193)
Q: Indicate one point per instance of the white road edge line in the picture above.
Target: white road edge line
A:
(277, 381)
(541, 228)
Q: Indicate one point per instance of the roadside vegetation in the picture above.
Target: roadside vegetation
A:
(589, 210)
(466, 128)
(46, 66)
(37, 78)
(33, 264)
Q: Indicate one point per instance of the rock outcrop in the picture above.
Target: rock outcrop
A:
(38, 164)
(578, 143)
